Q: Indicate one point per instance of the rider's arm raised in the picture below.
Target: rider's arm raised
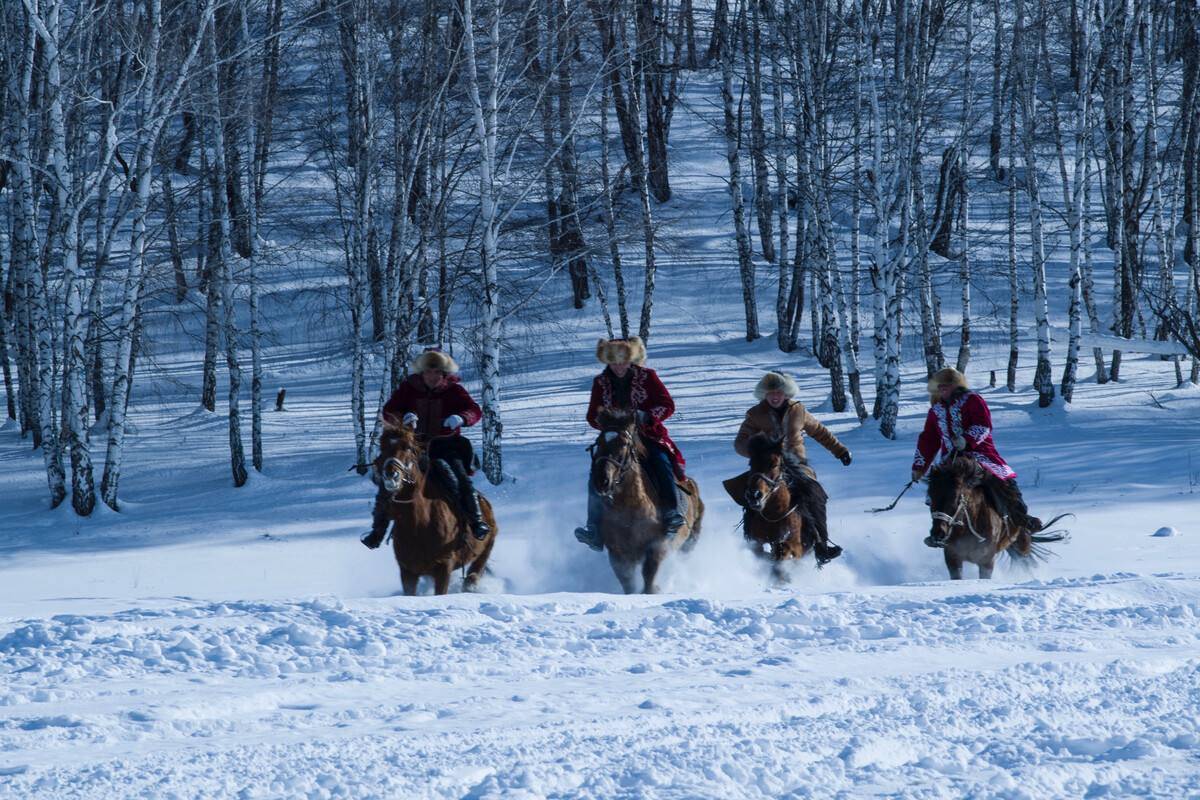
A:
(823, 436)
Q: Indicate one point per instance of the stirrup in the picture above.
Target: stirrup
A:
(825, 553)
(591, 538)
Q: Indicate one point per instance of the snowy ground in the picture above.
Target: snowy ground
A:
(211, 642)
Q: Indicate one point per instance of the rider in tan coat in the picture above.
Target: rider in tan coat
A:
(779, 415)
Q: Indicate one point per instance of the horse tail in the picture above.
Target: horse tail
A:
(1029, 548)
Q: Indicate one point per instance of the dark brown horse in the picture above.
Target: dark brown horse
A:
(430, 536)
(976, 533)
(632, 524)
(776, 516)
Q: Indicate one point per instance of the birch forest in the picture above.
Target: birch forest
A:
(452, 162)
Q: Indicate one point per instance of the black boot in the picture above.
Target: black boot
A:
(468, 500)
(662, 472)
(590, 533)
(379, 522)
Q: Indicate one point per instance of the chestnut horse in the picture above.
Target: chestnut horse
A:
(976, 532)
(430, 536)
(776, 517)
(631, 524)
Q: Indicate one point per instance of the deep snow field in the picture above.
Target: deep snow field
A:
(213, 642)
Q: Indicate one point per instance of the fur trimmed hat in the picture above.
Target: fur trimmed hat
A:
(434, 359)
(948, 375)
(621, 351)
(776, 381)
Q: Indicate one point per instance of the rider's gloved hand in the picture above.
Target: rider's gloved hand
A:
(960, 444)
(453, 422)
(916, 475)
(410, 420)
(846, 458)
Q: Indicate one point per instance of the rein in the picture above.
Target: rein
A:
(774, 484)
(955, 522)
(622, 466)
(394, 486)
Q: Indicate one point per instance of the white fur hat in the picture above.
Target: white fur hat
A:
(621, 351)
(434, 359)
(776, 381)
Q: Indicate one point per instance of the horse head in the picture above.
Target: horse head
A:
(766, 470)
(616, 450)
(399, 461)
(954, 494)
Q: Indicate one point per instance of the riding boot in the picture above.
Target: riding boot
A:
(590, 534)
(468, 498)
(662, 473)
(379, 522)
(815, 500)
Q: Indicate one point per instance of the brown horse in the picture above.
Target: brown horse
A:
(777, 509)
(632, 525)
(775, 518)
(430, 536)
(977, 534)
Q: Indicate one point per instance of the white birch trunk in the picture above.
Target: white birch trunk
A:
(733, 157)
(162, 100)
(486, 123)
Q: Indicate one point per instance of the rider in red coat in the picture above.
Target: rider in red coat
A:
(433, 402)
(626, 384)
(959, 421)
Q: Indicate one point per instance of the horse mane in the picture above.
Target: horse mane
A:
(762, 445)
(616, 419)
(963, 469)
(619, 420)
(394, 436)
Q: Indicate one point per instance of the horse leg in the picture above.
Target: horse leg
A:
(954, 564)
(624, 571)
(408, 580)
(985, 569)
(650, 564)
(471, 582)
(441, 578)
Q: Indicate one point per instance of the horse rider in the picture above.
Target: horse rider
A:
(779, 415)
(627, 385)
(433, 402)
(959, 421)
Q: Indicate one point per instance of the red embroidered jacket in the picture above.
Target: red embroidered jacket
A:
(431, 405)
(966, 415)
(646, 393)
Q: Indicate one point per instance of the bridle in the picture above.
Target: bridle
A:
(961, 518)
(623, 464)
(773, 484)
(395, 475)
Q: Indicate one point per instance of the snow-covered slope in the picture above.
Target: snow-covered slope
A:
(212, 642)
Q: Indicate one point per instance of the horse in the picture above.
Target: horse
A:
(777, 516)
(631, 525)
(976, 533)
(429, 534)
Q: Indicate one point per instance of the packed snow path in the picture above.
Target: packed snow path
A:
(1075, 687)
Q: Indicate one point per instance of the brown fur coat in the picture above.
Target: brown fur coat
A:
(794, 426)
